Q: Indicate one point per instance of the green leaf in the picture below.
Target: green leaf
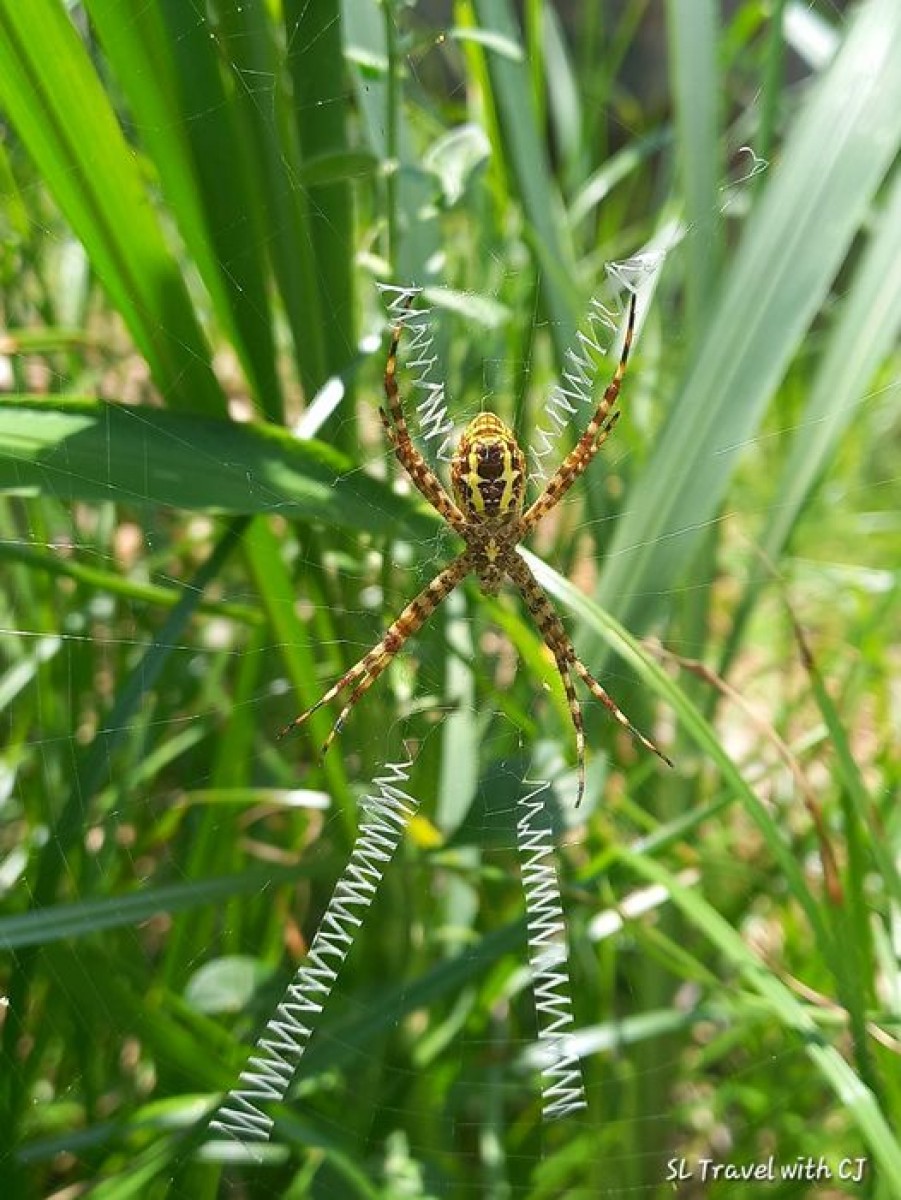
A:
(65, 922)
(79, 449)
(865, 330)
(693, 66)
(521, 144)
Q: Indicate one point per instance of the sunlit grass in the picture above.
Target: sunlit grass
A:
(196, 211)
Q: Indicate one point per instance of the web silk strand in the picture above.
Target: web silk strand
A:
(562, 1088)
(274, 1065)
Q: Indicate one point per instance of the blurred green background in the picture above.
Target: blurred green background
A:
(201, 529)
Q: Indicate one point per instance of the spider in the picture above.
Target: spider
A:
(488, 474)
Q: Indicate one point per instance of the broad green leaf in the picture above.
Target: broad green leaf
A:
(88, 450)
(865, 329)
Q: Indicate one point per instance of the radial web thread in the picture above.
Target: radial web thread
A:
(421, 360)
(562, 1089)
(271, 1069)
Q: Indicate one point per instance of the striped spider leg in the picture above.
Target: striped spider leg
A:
(488, 474)
(401, 443)
(363, 674)
(558, 642)
(596, 433)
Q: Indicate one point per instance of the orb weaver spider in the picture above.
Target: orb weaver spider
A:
(488, 477)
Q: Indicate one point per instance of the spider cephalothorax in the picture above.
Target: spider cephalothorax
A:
(488, 474)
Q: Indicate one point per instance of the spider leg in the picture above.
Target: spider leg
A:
(398, 433)
(558, 641)
(613, 708)
(596, 433)
(575, 715)
(364, 673)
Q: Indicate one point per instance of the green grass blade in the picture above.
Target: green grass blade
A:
(65, 922)
(53, 95)
(295, 642)
(412, 236)
(114, 584)
(135, 41)
(835, 159)
(863, 831)
(211, 117)
(522, 147)
(693, 65)
(857, 1099)
(316, 63)
(90, 770)
(87, 450)
(864, 334)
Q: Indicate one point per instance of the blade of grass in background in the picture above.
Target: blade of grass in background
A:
(848, 1088)
(68, 823)
(864, 332)
(211, 117)
(136, 42)
(693, 36)
(410, 237)
(316, 64)
(51, 92)
(113, 584)
(294, 640)
(817, 196)
(59, 922)
(520, 144)
(87, 450)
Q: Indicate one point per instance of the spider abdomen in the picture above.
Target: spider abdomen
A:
(488, 470)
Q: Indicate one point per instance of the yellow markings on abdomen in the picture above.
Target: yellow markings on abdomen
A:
(488, 470)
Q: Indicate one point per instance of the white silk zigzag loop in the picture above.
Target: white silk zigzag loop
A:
(590, 356)
(274, 1065)
(562, 1088)
(433, 422)
(272, 1068)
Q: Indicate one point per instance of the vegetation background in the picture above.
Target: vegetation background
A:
(198, 199)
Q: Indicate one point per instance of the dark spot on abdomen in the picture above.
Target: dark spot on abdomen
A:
(491, 462)
(492, 492)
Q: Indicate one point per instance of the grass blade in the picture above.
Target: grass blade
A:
(858, 1100)
(834, 161)
(88, 450)
(54, 97)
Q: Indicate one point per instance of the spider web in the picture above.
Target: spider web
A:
(176, 723)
